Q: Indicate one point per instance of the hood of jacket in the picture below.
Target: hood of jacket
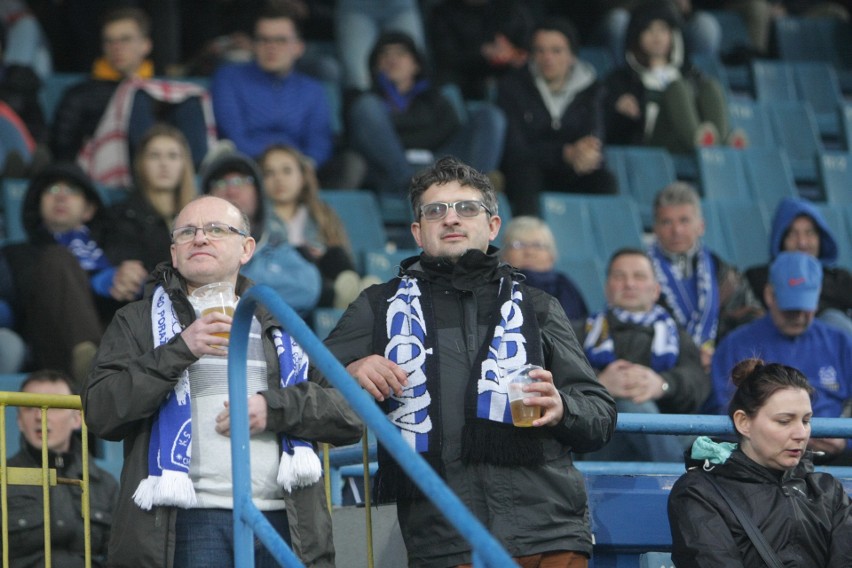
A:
(641, 17)
(63, 171)
(788, 210)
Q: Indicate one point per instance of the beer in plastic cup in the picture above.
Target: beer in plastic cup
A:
(522, 415)
(215, 297)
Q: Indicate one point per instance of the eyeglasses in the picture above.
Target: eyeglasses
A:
(233, 181)
(63, 189)
(213, 231)
(438, 210)
(274, 40)
(535, 245)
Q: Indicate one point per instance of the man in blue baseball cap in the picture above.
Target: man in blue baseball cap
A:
(789, 334)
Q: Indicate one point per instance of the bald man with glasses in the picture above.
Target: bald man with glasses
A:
(434, 347)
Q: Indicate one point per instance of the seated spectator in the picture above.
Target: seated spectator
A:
(19, 88)
(67, 247)
(266, 101)
(164, 183)
(799, 226)
(529, 246)
(657, 98)
(554, 137)
(647, 362)
(406, 115)
(359, 23)
(291, 186)
(236, 178)
(65, 455)
(790, 335)
(25, 43)
(474, 42)
(706, 295)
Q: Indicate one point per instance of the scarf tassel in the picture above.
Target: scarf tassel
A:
(299, 469)
(169, 488)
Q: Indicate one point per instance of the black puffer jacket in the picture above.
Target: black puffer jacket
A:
(78, 115)
(805, 516)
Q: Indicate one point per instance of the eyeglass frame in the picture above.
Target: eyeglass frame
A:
(452, 205)
(204, 228)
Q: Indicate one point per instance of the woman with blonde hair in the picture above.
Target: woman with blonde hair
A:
(290, 183)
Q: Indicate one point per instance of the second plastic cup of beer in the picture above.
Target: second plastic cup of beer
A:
(215, 297)
(522, 415)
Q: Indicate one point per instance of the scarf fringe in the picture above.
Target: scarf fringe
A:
(144, 494)
(169, 488)
(501, 444)
(301, 469)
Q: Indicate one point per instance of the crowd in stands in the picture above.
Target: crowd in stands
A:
(277, 100)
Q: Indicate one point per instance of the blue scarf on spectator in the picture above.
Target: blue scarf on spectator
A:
(698, 313)
(87, 252)
(665, 347)
(396, 101)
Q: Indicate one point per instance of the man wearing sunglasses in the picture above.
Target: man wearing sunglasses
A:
(160, 384)
(433, 346)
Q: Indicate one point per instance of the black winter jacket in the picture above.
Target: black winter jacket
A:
(805, 516)
(78, 115)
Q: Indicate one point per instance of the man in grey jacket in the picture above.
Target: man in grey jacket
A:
(159, 383)
(434, 346)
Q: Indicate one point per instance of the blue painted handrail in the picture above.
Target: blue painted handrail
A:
(247, 518)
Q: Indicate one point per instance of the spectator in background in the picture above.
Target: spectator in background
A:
(405, 116)
(790, 335)
(554, 137)
(647, 362)
(799, 226)
(266, 101)
(656, 97)
(65, 455)
(529, 246)
(13, 350)
(19, 88)
(475, 42)
(705, 295)
(291, 186)
(358, 25)
(25, 41)
(164, 183)
(66, 283)
(236, 178)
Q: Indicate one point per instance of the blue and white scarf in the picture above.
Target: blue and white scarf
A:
(170, 447)
(665, 347)
(697, 312)
(87, 252)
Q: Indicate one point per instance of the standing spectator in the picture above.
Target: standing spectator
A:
(236, 178)
(647, 362)
(799, 226)
(705, 295)
(789, 334)
(554, 137)
(141, 377)
(266, 101)
(164, 184)
(358, 25)
(405, 114)
(656, 97)
(804, 516)
(67, 247)
(291, 185)
(530, 247)
(438, 339)
(65, 455)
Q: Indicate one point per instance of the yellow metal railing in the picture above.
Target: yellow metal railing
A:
(44, 476)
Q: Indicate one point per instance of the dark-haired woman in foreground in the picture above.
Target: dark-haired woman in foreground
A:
(805, 516)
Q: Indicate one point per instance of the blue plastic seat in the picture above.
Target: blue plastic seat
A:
(383, 264)
(588, 275)
(714, 236)
(744, 230)
(773, 81)
(649, 171)
(818, 84)
(753, 118)
(359, 210)
(12, 139)
(846, 126)
(569, 219)
(837, 219)
(835, 172)
(795, 129)
(14, 191)
(722, 174)
(616, 223)
(598, 57)
(324, 320)
(52, 90)
(769, 175)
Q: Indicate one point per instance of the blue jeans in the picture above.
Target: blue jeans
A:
(479, 142)
(204, 538)
(358, 24)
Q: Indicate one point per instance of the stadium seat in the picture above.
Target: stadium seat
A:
(361, 216)
(817, 39)
(722, 174)
(817, 83)
(52, 90)
(598, 57)
(835, 173)
(12, 383)
(846, 126)
(713, 67)
(616, 223)
(649, 171)
(324, 320)
(588, 275)
(383, 264)
(714, 236)
(846, 247)
(795, 129)
(773, 81)
(504, 208)
(769, 175)
(14, 191)
(837, 218)
(745, 230)
(735, 39)
(754, 119)
(571, 224)
(656, 560)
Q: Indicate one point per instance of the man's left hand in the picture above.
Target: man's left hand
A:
(549, 399)
(256, 413)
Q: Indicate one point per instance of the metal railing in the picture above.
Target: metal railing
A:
(248, 521)
(44, 476)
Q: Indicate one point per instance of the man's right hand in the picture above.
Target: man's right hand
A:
(199, 335)
(378, 376)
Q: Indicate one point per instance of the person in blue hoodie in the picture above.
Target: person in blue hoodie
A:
(799, 226)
